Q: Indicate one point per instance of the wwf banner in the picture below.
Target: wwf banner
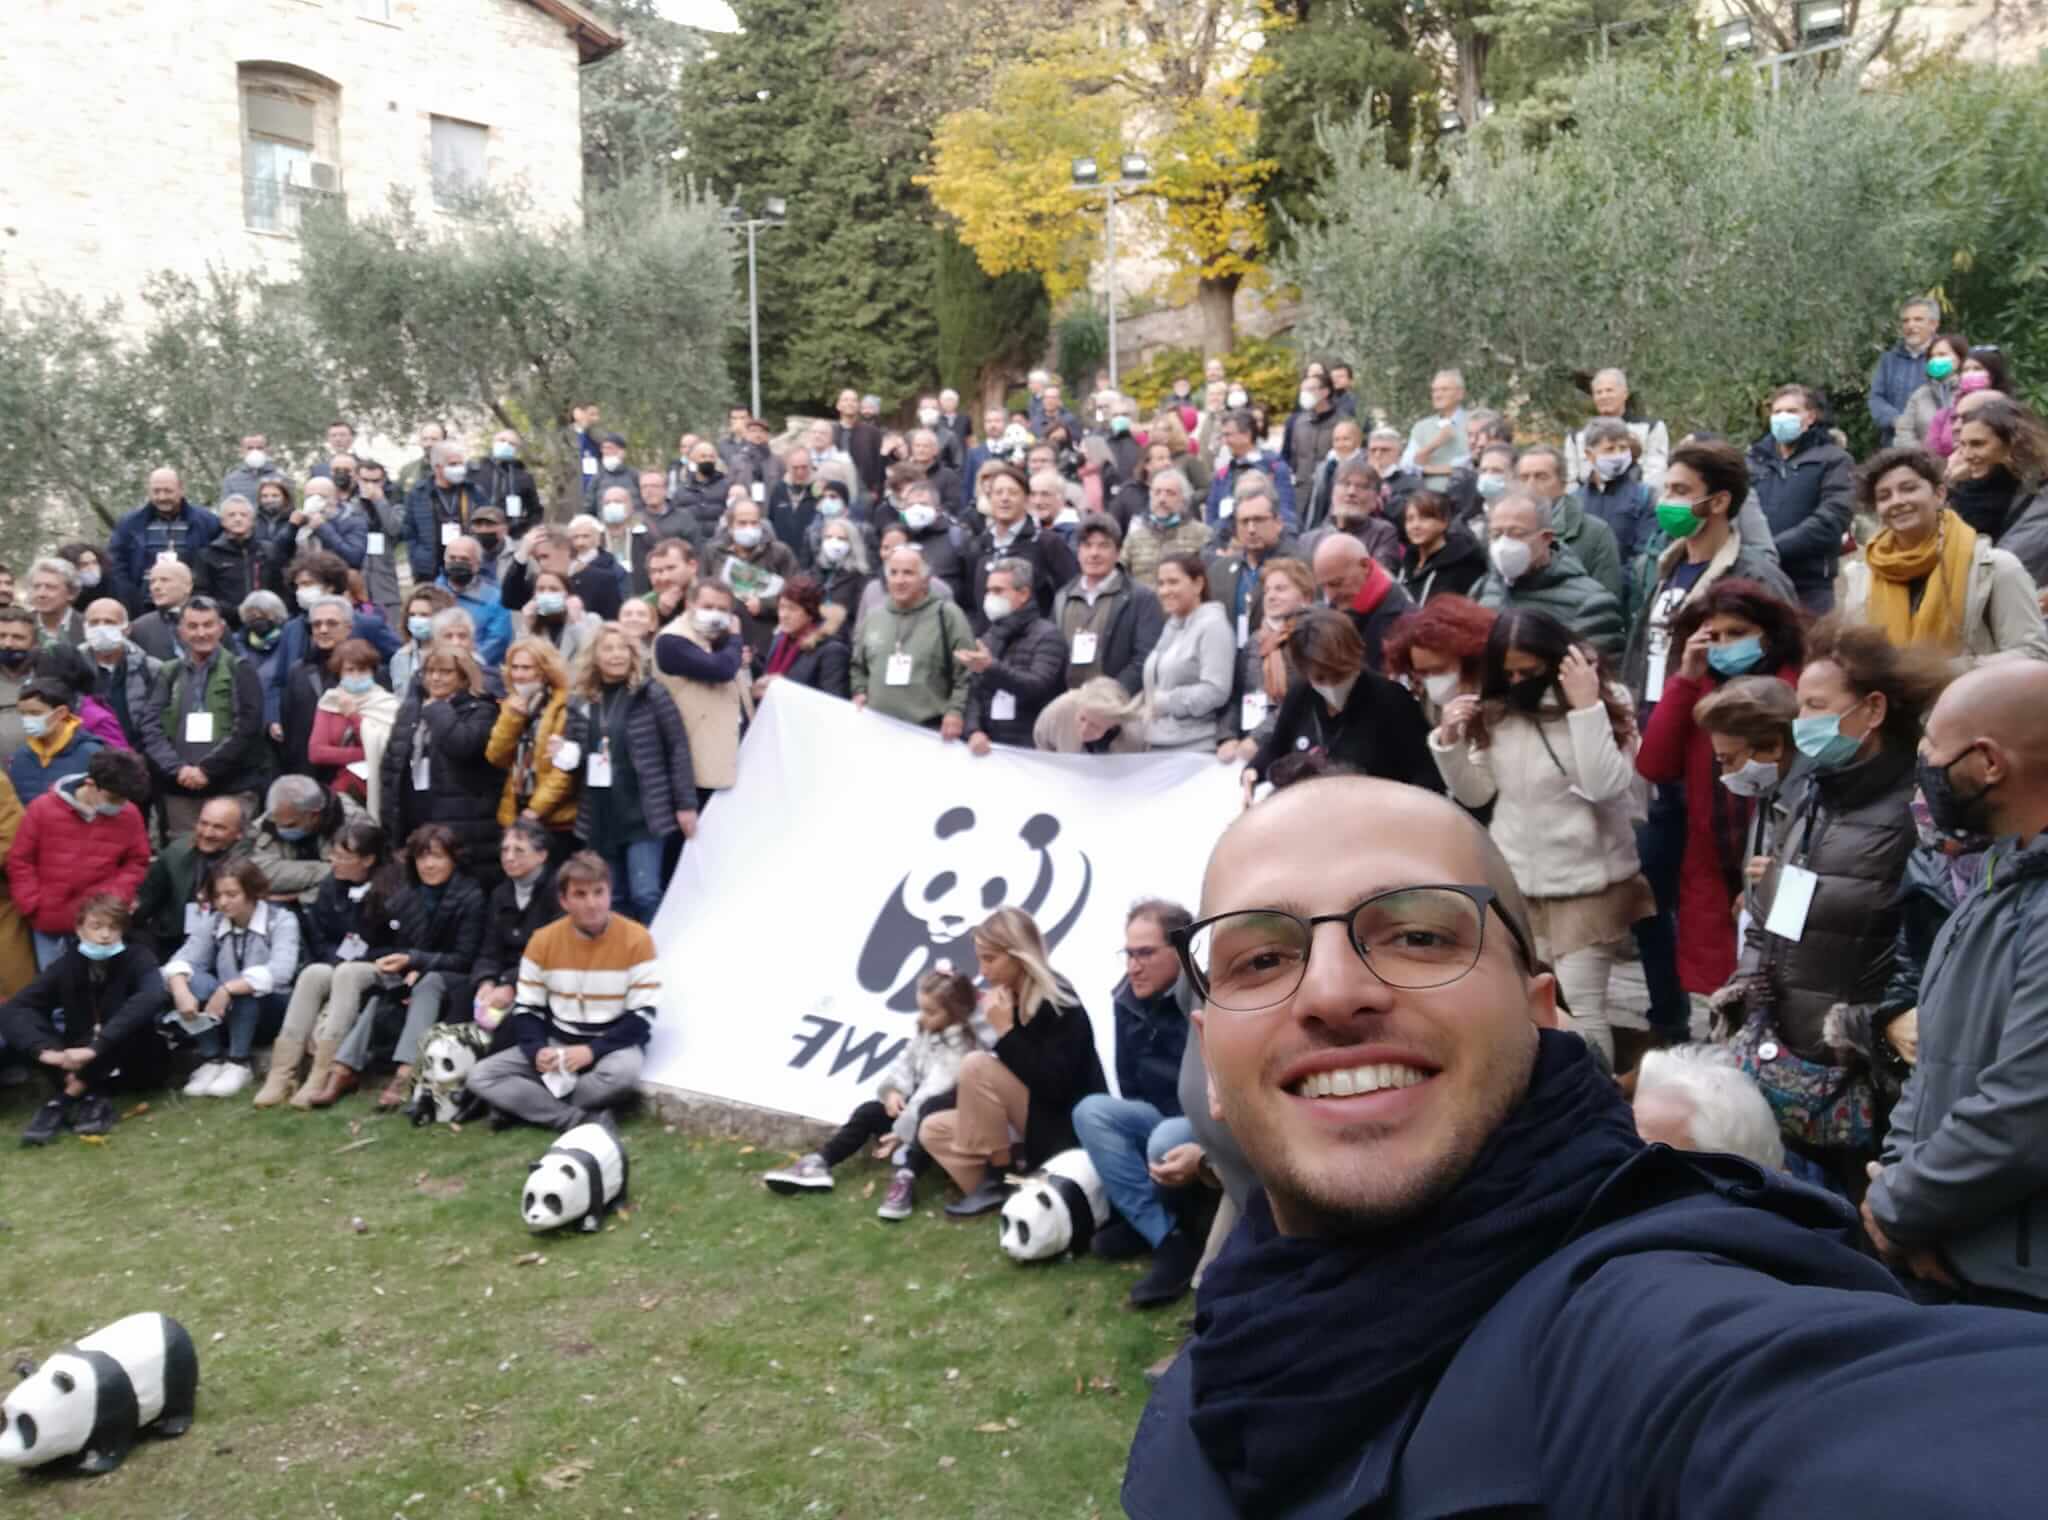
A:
(856, 852)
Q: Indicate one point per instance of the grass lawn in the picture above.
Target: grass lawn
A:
(722, 1351)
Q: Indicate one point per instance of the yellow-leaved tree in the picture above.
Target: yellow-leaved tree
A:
(1171, 79)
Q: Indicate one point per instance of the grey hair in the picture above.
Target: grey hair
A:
(1546, 517)
(63, 569)
(448, 617)
(309, 606)
(907, 547)
(1253, 483)
(1385, 435)
(300, 793)
(1049, 480)
(1449, 374)
(1925, 303)
(585, 520)
(1105, 697)
(262, 603)
(1556, 455)
(1043, 377)
(621, 492)
(1018, 570)
(1187, 492)
(1729, 1112)
(1620, 375)
(925, 433)
(229, 501)
(448, 452)
(1609, 430)
(856, 546)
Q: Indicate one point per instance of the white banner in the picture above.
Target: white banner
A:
(856, 851)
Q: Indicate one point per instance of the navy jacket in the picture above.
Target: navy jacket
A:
(142, 535)
(1807, 500)
(1897, 375)
(1151, 1038)
(1708, 1343)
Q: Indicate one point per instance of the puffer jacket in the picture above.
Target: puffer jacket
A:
(1893, 379)
(1964, 1151)
(1628, 507)
(1145, 546)
(2026, 534)
(1564, 797)
(1563, 589)
(518, 746)
(660, 750)
(1030, 665)
(1853, 828)
(443, 936)
(1590, 539)
(61, 857)
(463, 786)
(1807, 499)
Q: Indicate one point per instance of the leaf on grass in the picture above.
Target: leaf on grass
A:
(568, 1475)
(1102, 1384)
(355, 1127)
(356, 1145)
(530, 1259)
(93, 1139)
(992, 1428)
(946, 1464)
(457, 1259)
(649, 1302)
(746, 1150)
(868, 1191)
(137, 1111)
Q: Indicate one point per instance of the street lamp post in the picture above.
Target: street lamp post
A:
(773, 212)
(1132, 171)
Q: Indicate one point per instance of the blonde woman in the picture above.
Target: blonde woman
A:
(1097, 717)
(435, 770)
(1039, 1061)
(525, 741)
(626, 741)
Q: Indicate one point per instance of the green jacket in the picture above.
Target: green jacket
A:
(172, 881)
(1563, 589)
(1590, 539)
(931, 633)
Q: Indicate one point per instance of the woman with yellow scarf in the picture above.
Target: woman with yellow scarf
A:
(1933, 579)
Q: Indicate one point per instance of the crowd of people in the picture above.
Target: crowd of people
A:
(351, 760)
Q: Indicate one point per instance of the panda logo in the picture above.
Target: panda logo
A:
(969, 873)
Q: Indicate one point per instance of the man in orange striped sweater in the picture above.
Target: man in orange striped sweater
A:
(583, 1011)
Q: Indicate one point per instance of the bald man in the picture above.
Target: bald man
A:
(1468, 1287)
(165, 527)
(1965, 1170)
(1356, 584)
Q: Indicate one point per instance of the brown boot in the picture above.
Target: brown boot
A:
(341, 1081)
(316, 1079)
(285, 1056)
(397, 1092)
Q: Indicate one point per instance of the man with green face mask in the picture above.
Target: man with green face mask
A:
(1698, 543)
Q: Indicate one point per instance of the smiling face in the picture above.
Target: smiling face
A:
(433, 865)
(1179, 592)
(1907, 505)
(1460, 1054)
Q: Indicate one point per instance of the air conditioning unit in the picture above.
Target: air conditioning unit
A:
(314, 178)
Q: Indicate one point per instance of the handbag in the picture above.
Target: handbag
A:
(1828, 1107)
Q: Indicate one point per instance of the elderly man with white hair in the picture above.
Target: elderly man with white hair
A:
(1170, 525)
(165, 527)
(903, 657)
(156, 631)
(1695, 1098)
(1438, 444)
(439, 510)
(1610, 399)
(121, 672)
(52, 585)
(294, 838)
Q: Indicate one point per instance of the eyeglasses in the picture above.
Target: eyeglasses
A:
(1413, 938)
(1140, 953)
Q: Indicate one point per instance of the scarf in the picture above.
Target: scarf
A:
(1377, 584)
(1943, 562)
(783, 655)
(1985, 504)
(1305, 1348)
(1275, 673)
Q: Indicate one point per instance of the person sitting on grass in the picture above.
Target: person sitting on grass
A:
(228, 982)
(588, 988)
(925, 1071)
(88, 1022)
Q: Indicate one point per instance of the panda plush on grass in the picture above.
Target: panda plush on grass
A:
(448, 1054)
(580, 1180)
(1056, 1210)
(85, 1406)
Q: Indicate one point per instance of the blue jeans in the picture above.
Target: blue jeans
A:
(637, 881)
(49, 947)
(234, 1037)
(1123, 1136)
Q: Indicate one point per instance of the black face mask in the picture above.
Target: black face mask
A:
(344, 483)
(1527, 695)
(490, 543)
(1952, 813)
(707, 469)
(460, 574)
(14, 659)
(259, 632)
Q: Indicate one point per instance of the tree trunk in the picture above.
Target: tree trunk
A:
(1216, 296)
(993, 385)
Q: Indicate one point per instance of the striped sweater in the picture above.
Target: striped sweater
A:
(576, 990)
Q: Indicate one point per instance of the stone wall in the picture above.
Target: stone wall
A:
(123, 120)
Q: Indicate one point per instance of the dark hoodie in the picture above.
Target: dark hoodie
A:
(1455, 568)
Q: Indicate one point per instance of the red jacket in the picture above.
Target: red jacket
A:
(1675, 748)
(60, 859)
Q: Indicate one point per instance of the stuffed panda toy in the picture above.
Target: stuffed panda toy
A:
(86, 1405)
(580, 1180)
(1056, 1210)
(448, 1054)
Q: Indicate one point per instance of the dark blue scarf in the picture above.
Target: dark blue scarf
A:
(1304, 1347)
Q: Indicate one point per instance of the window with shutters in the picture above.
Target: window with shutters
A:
(459, 152)
(290, 149)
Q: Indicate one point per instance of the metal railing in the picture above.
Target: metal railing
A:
(276, 205)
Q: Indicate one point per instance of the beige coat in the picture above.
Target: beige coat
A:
(712, 715)
(2001, 610)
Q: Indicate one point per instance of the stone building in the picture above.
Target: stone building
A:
(172, 134)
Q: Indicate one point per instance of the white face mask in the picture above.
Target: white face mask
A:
(613, 461)
(526, 691)
(1235, 400)
(919, 517)
(995, 607)
(746, 536)
(833, 550)
(1306, 400)
(614, 512)
(1613, 466)
(88, 578)
(928, 415)
(104, 637)
(256, 459)
(1440, 688)
(710, 619)
(1752, 779)
(1511, 558)
(1334, 695)
(456, 473)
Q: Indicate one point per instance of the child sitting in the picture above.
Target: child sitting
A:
(922, 1074)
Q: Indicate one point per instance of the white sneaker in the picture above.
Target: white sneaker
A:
(233, 1078)
(203, 1079)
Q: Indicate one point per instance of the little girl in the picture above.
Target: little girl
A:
(920, 1076)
